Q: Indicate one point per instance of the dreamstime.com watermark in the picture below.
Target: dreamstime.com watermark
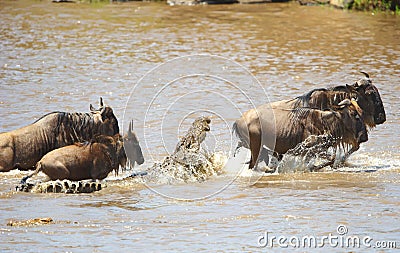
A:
(339, 240)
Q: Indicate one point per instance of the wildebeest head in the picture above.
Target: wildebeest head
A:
(110, 122)
(369, 99)
(115, 147)
(132, 146)
(352, 118)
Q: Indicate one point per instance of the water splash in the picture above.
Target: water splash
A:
(194, 167)
(313, 154)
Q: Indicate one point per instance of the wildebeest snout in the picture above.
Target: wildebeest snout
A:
(381, 118)
(362, 136)
(140, 159)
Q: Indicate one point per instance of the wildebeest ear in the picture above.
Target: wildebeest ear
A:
(344, 103)
(352, 88)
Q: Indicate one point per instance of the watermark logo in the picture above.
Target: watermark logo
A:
(341, 239)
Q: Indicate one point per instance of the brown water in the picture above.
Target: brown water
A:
(61, 57)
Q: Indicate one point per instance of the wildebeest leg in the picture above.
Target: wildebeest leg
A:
(255, 146)
(347, 155)
(264, 155)
(239, 145)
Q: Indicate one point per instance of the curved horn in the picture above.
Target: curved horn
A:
(357, 107)
(365, 73)
(91, 108)
(102, 110)
(345, 103)
(101, 102)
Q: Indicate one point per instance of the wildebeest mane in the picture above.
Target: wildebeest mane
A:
(69, 128)
(75, 126)
(334, 127)
(300, 113)
(330, 97)
(340, 88)
(304, 99)
(76, 120)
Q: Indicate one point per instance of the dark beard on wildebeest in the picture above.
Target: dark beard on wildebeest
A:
(24, 147)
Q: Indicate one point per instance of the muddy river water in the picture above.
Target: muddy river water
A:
(62, 57)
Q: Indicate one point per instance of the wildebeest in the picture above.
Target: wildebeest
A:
(282, 129)
(90, 160)
(132, 148)
(363, 91)
(24, 147)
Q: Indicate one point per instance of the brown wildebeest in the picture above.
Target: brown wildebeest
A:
(282, 129)
(363, 91)
(90, 160)
(24, 147)
(132, 148)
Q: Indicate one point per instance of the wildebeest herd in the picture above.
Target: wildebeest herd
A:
(343, 112)
(78, 146)
(74, 146)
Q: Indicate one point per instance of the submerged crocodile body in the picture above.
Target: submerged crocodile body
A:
(58, 186)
